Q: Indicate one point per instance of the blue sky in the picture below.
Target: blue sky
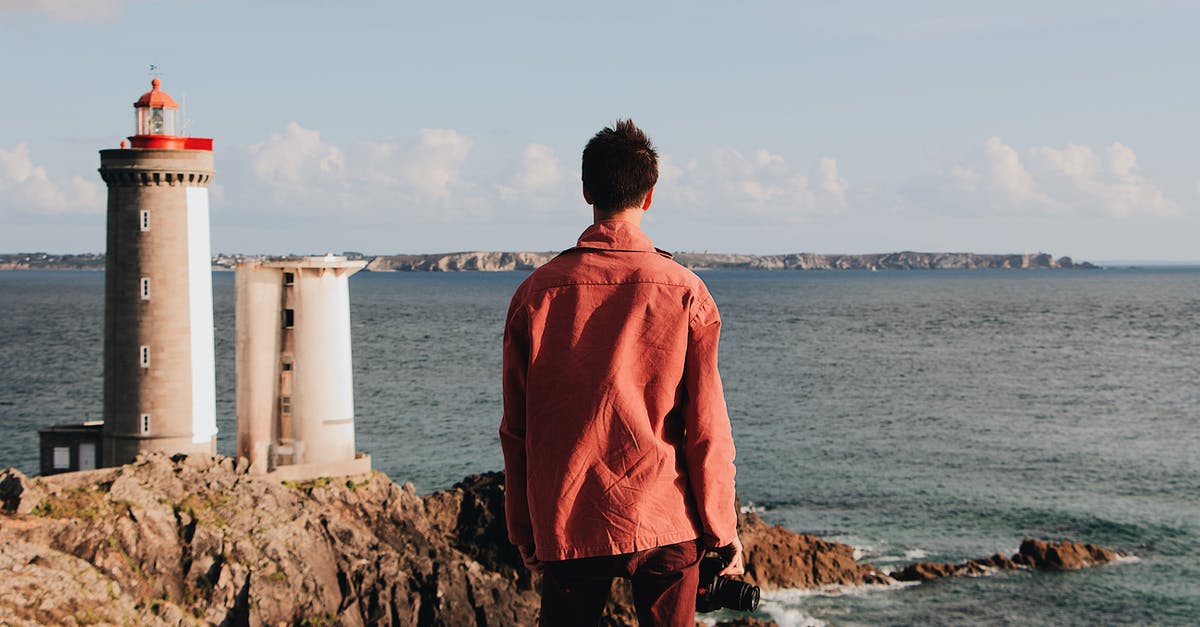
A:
(385, 127)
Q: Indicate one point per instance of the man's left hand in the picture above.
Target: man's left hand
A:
(732, 554)
(530, 559)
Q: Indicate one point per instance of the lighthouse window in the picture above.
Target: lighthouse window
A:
(289, 318)
(156, 121)
(145, 356)
(145, 424)
(289, 278)
(285, 403)
(145, 288)
(145, 221)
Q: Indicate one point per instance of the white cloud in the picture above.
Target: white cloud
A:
(433, 165)
(1001, 180)
(305, 172)
(831, 183)
(1116, 188)
(539, 179)
(67, 10)
(26, 187)
(295, 160)
(1070, 180)
(762, 183)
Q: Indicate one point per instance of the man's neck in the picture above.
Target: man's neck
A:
(632, 215)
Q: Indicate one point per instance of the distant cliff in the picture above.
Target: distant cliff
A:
(199, 540)
(48, 261)
(490, 261)
(906, 260)
(459, 262)
(499, 261)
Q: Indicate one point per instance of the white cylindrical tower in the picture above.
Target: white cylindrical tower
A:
(295, 386)
(258, 313)
(323, 387)
(159, 381)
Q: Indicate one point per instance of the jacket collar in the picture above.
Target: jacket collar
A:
(616, 235)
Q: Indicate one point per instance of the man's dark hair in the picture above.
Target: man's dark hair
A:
(620, 166)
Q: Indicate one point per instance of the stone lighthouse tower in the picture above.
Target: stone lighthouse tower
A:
(159, 382)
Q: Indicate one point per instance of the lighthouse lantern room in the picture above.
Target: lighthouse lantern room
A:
(157, 123)
(157, 113)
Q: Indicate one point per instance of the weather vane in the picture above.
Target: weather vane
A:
(154, 70)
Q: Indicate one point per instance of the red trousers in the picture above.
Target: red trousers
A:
(664, 582)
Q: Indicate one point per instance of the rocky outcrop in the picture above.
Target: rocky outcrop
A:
(495, 261)
(199, 539)
(1033, 554)
(906, 260)
(460, 262)
(779, 558)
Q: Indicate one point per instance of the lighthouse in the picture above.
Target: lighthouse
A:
(159, 381)
(295, 392)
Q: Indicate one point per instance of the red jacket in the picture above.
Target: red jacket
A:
(615, 433)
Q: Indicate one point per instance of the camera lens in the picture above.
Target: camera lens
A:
(716, 591)
(737, 595)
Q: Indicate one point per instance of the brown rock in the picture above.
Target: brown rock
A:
(1033, 554)
(17, 493)
(924, 571)
(1065, 555)
(779, 558)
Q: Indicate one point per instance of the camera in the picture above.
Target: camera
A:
(716, 592)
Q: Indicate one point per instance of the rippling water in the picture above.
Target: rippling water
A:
(916, 415)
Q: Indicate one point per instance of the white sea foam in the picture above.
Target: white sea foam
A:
(791, 617)
(786, 606)
(783, 616)
(751, 508)
(861, 547)
(908, 556)
(862, 551)
(792, 595)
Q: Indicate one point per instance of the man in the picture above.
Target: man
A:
(618, 454)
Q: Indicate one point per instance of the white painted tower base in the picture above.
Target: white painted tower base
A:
(295, 386)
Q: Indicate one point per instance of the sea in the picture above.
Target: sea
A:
(916, 415)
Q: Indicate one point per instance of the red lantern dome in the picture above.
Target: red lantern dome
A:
(158, 123)
(156, 98)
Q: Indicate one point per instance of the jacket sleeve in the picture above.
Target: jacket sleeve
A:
(512, 425)
(708, 437)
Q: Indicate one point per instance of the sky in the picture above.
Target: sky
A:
(863, 126)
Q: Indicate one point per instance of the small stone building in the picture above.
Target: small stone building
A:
(67, 448)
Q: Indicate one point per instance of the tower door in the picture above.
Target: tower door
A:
(87, 456)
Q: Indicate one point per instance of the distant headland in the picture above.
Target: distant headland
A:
(491, 261)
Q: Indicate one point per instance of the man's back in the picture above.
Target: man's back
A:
(610, 340)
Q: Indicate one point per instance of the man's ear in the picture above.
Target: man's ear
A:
(587, 197)
(646, 202)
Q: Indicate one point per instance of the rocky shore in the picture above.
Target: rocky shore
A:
(198, 540)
